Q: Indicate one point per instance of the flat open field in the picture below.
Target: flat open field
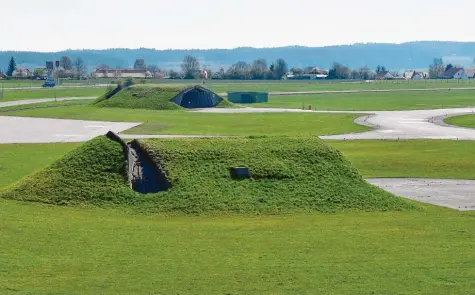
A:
(411, 158)
(273, 86)
(387, 101)
(464, 121)
(180, 122)
(19, 160)
(89, 250)
(12, 95)
(55, 250)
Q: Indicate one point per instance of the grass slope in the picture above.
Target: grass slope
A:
(156, 98)
(19, 160)
(386, 101)
(93, 173)
(49, 250)
(288, 175)
(463, 121)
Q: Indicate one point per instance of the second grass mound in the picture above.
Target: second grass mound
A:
(156, 98)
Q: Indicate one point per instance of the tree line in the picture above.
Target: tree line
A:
(241, 70)
(68, 69)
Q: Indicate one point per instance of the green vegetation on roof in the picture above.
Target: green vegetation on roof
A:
(287, 175)
(146, 97)
(156, 98)
(94, 173)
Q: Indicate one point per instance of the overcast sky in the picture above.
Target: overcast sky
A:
(52, 25)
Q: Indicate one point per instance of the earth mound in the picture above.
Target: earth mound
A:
(162, 98)
(285, 175)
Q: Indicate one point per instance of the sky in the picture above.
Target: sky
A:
(53, 25)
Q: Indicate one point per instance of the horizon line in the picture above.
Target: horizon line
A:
(240, 47)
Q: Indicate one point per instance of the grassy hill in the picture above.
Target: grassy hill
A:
(156, 98)
(147, 97)
(288, 175)
(94, 173)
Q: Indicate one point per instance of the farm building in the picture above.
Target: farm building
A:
(122, 73)
(2, 76)
(197, 97)
(384, 75)
(470, 73)
(454, 73)
(22, 73)
(414, 75)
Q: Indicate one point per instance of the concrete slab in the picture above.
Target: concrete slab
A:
(455, 194)
(36, 130)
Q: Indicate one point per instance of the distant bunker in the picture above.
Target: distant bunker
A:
(248, 97)
(197, 97)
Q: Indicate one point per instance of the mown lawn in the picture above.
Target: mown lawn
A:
(19, 160)
(60, 250)
(412, 158)
(283, 86)
(464, 121)
(385, 101)
(63, 250)
(181, 122)
(12, 95)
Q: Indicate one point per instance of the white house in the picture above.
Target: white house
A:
(455, 73)
(122, 73)
(470, 73)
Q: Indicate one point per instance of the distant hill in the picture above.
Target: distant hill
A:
(412, 55)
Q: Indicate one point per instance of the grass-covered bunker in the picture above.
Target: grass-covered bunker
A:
(194, 176)
(161, 98)
(197, 97)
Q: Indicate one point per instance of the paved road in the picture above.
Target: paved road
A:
(35, 130)
(421, 124)
(390, 125)
(455, 194)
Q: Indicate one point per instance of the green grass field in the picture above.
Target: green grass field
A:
(12, 95)
(329, 85)
(180, 122)
(58, 250)
(374, 101)
(63, 250)
(463, 121)
(283, 86)
(19, 160)
(412, 158)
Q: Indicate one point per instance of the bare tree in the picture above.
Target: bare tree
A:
(153, 69)
(436, 68)
(190, 67)
(239, 71)
(66, 63)
(103, 67)
(80, 68)
(339, 71)
(258, 69)
(364, 73)
(279, 68)
(140, 64)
